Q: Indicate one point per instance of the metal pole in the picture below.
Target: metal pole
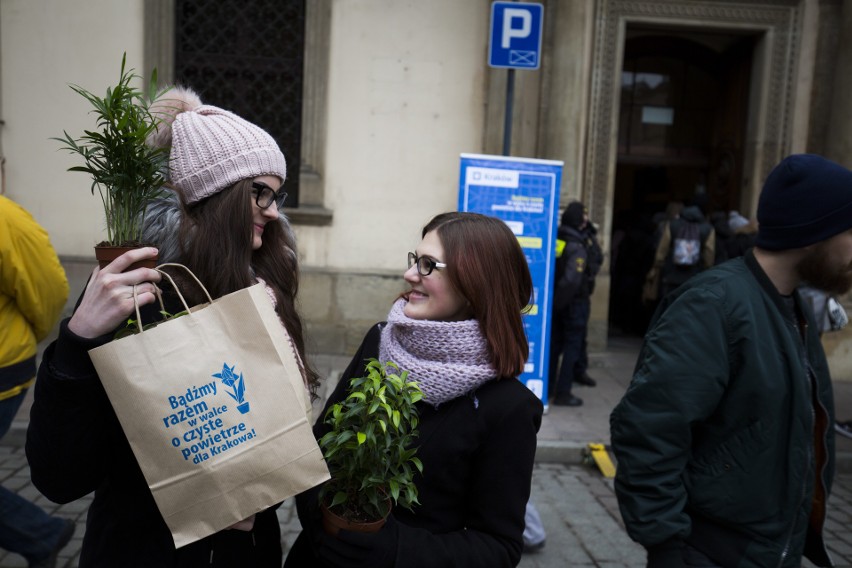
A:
(507, 119)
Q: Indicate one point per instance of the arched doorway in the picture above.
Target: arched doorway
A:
(681, 138)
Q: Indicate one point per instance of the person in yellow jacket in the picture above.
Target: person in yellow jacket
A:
(33, 291)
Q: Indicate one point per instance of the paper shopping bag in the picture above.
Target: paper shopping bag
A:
(214, 408)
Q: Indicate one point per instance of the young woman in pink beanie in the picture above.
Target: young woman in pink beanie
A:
(459, 334)
(222, 220)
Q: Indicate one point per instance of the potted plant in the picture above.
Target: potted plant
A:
(125, 170)
(237, 385)
(368, 450)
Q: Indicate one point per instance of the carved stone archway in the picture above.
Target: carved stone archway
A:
(777, 24)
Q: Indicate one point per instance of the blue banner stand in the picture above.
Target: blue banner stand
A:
(524, 193)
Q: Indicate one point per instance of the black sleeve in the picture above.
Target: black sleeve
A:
(71, 424)
(73, 434)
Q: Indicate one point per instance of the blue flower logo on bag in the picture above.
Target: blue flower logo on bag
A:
(236, 384)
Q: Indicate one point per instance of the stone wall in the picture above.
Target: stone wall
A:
(339, 307)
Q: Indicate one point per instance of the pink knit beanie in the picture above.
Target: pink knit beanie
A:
(211, 148)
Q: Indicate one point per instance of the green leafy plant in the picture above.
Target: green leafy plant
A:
(131, 327)
(125, 170)
(368, 449)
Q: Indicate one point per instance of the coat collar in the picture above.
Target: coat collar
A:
(770, 289)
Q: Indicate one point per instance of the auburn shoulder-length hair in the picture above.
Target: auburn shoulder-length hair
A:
(486, 265)
(215, 242)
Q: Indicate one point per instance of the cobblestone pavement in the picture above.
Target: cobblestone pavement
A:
(576, 503)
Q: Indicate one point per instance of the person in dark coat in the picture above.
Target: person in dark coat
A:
(681, 255)
(75, 443)
(724, 438)
(574, 281)
(459, 333)
(724, 234)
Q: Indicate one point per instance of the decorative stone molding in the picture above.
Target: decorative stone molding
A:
(777, 21)
(159, 52)
(314, 104)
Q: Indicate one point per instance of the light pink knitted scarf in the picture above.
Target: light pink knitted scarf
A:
(448, 359)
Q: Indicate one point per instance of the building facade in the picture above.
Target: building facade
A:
(645, 102)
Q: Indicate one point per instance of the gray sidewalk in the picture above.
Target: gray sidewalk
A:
(576, 503)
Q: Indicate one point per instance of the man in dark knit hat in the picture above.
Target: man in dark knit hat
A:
(724, 438)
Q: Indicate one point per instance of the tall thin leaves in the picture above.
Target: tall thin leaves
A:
(126, 171)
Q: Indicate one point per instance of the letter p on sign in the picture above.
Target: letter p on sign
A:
(510, 31)
(515, 40)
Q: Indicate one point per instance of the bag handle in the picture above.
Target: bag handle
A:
(174, 285)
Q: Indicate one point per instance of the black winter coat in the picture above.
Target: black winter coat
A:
(477, 453)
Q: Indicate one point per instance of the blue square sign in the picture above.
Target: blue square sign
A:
(515, 40)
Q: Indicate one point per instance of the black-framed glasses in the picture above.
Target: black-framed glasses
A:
(264, 195)
(425, 265)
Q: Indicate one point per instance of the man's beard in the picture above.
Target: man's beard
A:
(820, 271)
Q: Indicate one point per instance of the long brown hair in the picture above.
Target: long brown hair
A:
(215, 241)
(486, 265)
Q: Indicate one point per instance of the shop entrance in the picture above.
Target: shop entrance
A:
(681, 133)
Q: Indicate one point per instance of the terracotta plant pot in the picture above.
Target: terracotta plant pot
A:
(106, 254)
(332, 523)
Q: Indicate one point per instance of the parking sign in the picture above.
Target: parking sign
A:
(515, 40)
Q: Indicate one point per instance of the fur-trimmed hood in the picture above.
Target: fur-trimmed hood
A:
(162, 225)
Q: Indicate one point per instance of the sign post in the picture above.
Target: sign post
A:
(514, 43)
(524, 193)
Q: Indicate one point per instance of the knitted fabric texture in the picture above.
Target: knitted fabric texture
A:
(211, 148)
(806, 199)
(447, 359)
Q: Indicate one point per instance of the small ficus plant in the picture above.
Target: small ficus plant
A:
(369, 449)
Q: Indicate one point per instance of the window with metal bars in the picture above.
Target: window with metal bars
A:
(247, 56)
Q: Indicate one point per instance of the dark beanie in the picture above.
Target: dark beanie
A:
(806, 199)
(573, 215)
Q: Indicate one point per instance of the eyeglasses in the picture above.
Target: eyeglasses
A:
(425, 265)
(264, 195)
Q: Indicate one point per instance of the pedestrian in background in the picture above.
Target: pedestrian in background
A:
(685, 247)
(33, 291)
(458, 332)
(724, 438)
(227, 174)
(830, 316)
(743, 233)
(577, 265)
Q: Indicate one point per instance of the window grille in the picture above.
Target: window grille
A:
(247, 56)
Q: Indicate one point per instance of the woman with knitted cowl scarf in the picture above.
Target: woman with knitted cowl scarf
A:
(458, 332)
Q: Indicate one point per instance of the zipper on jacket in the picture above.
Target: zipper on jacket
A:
(802, 333)
(820, 475)
(786, 550)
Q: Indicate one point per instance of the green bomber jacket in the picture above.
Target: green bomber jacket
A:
(724, 437)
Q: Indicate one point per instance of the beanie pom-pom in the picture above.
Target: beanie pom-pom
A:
(165, 109)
